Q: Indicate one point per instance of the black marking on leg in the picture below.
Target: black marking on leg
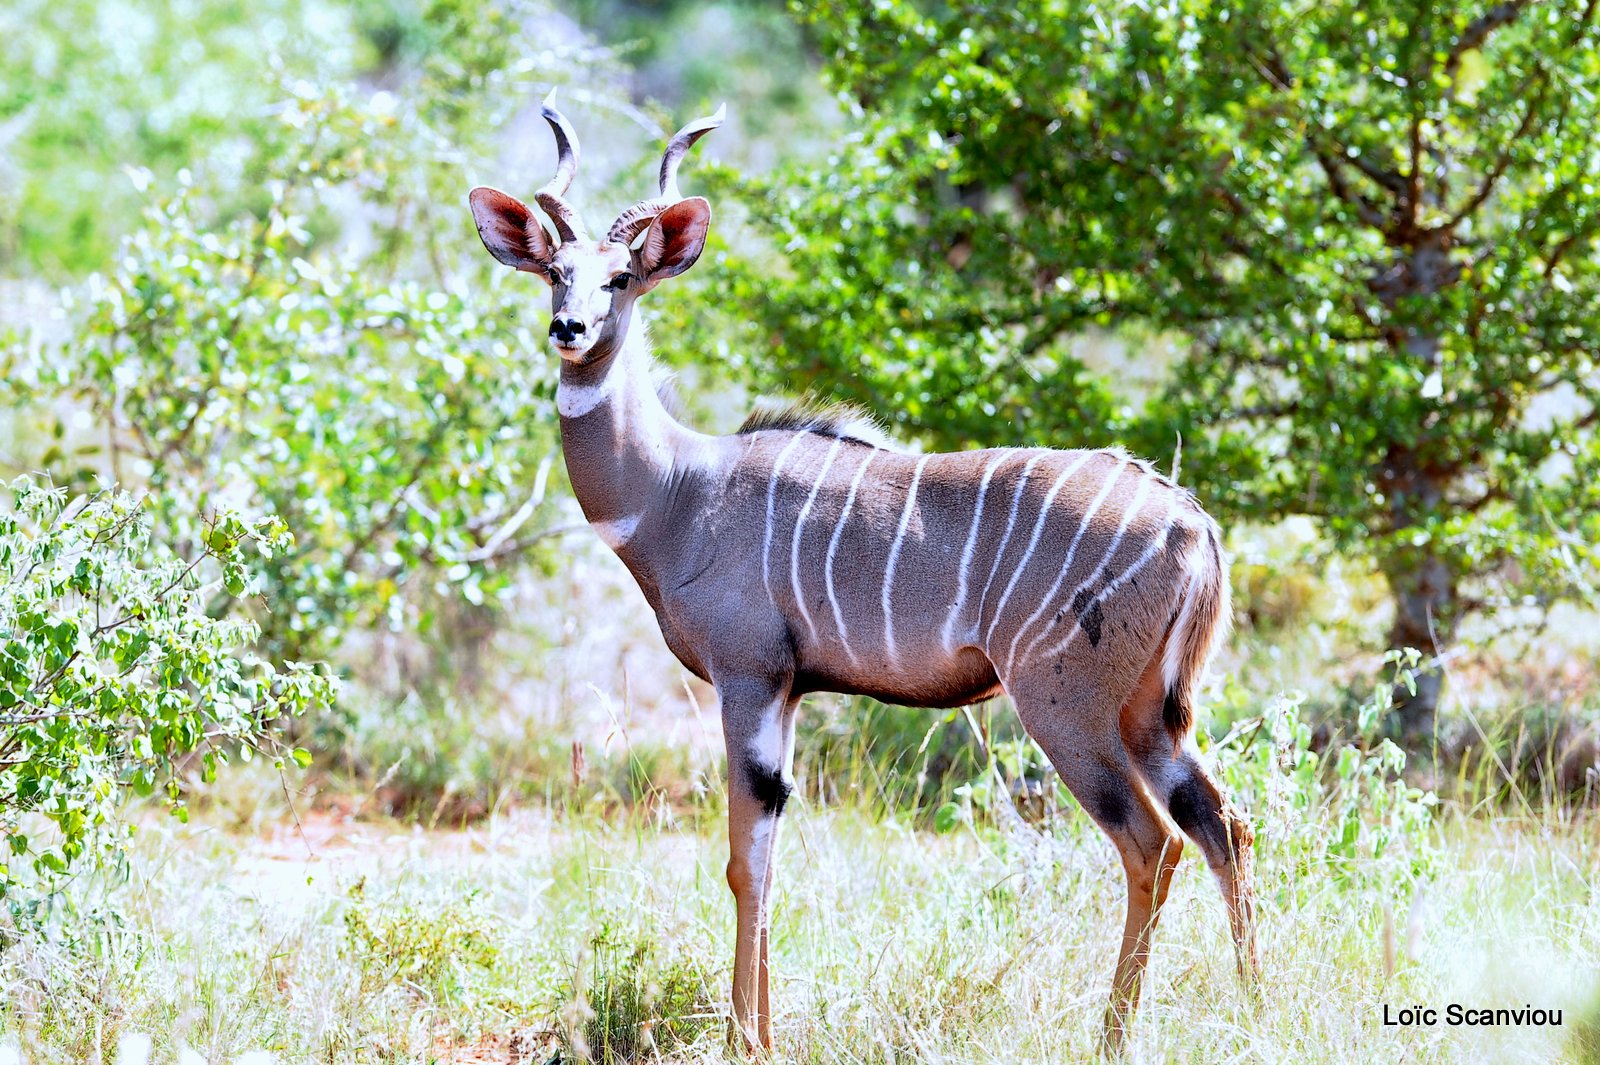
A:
(1187, 804)
(1108, 806)
(768, 787)
(1196, 812)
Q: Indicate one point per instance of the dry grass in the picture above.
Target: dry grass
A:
(889, 944)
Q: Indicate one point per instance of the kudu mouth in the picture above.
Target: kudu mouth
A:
(575, 351)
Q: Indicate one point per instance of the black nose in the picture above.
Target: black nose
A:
(566, 330)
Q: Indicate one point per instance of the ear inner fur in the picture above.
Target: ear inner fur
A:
(510, 230)
(675, 239)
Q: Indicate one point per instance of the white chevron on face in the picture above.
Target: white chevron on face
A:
(1150, 552)
(772, 502)
(799, 523)
(1072, 550)
(894, 558)
(1111, 552)
(833, 547)
(1033, 538)
(1011, 522)
(966, 552)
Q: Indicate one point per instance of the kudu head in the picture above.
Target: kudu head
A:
(595, 283)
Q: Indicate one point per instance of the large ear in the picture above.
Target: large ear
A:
(675, 239)
(511, 231)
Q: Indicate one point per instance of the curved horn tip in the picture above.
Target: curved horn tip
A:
(548, 111)
(702, 126)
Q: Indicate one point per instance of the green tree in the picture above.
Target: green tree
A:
(113, 676)
(1372, 227)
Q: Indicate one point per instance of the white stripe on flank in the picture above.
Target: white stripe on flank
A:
(894, 560)
(966, 552)
(794, 546)
(617, 532)
(1111, 552)
(1033, 539)
(1156, 544)
(833, 546)
(772, 501)
(1066, 567)
(1011, 521)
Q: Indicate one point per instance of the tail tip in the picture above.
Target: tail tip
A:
(1177, 715)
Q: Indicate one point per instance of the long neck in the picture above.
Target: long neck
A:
(625, 453)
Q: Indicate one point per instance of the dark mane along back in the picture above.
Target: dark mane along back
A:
(843, 420)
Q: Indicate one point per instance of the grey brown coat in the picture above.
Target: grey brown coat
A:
(801, 554)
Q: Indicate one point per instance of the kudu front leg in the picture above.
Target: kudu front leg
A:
(757, 724)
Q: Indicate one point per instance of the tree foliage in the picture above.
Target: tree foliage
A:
(1371, 227)
(115, 674)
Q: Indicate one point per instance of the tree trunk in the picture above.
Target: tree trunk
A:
(1424, 589)
(1422, 582)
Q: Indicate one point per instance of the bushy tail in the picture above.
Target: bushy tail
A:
(1203, 619)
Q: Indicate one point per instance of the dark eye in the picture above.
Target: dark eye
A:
(620, 282)
(556, 277)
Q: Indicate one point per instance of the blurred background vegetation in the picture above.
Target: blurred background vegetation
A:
(1337, 265)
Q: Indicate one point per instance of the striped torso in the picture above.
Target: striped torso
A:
(926, 578)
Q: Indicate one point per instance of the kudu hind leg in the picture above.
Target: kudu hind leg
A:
(1094, 765)
(1225, 837)
(1176, 777)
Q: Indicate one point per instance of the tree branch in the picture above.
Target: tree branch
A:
(1365, 208)
(1501, 164)
(1478, 31)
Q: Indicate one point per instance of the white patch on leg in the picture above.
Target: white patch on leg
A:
(761, 851)
(1175, 772)
(766, 746)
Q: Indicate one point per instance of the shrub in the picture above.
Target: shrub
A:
(426, 947)
(627, 1007)
(117, 675)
